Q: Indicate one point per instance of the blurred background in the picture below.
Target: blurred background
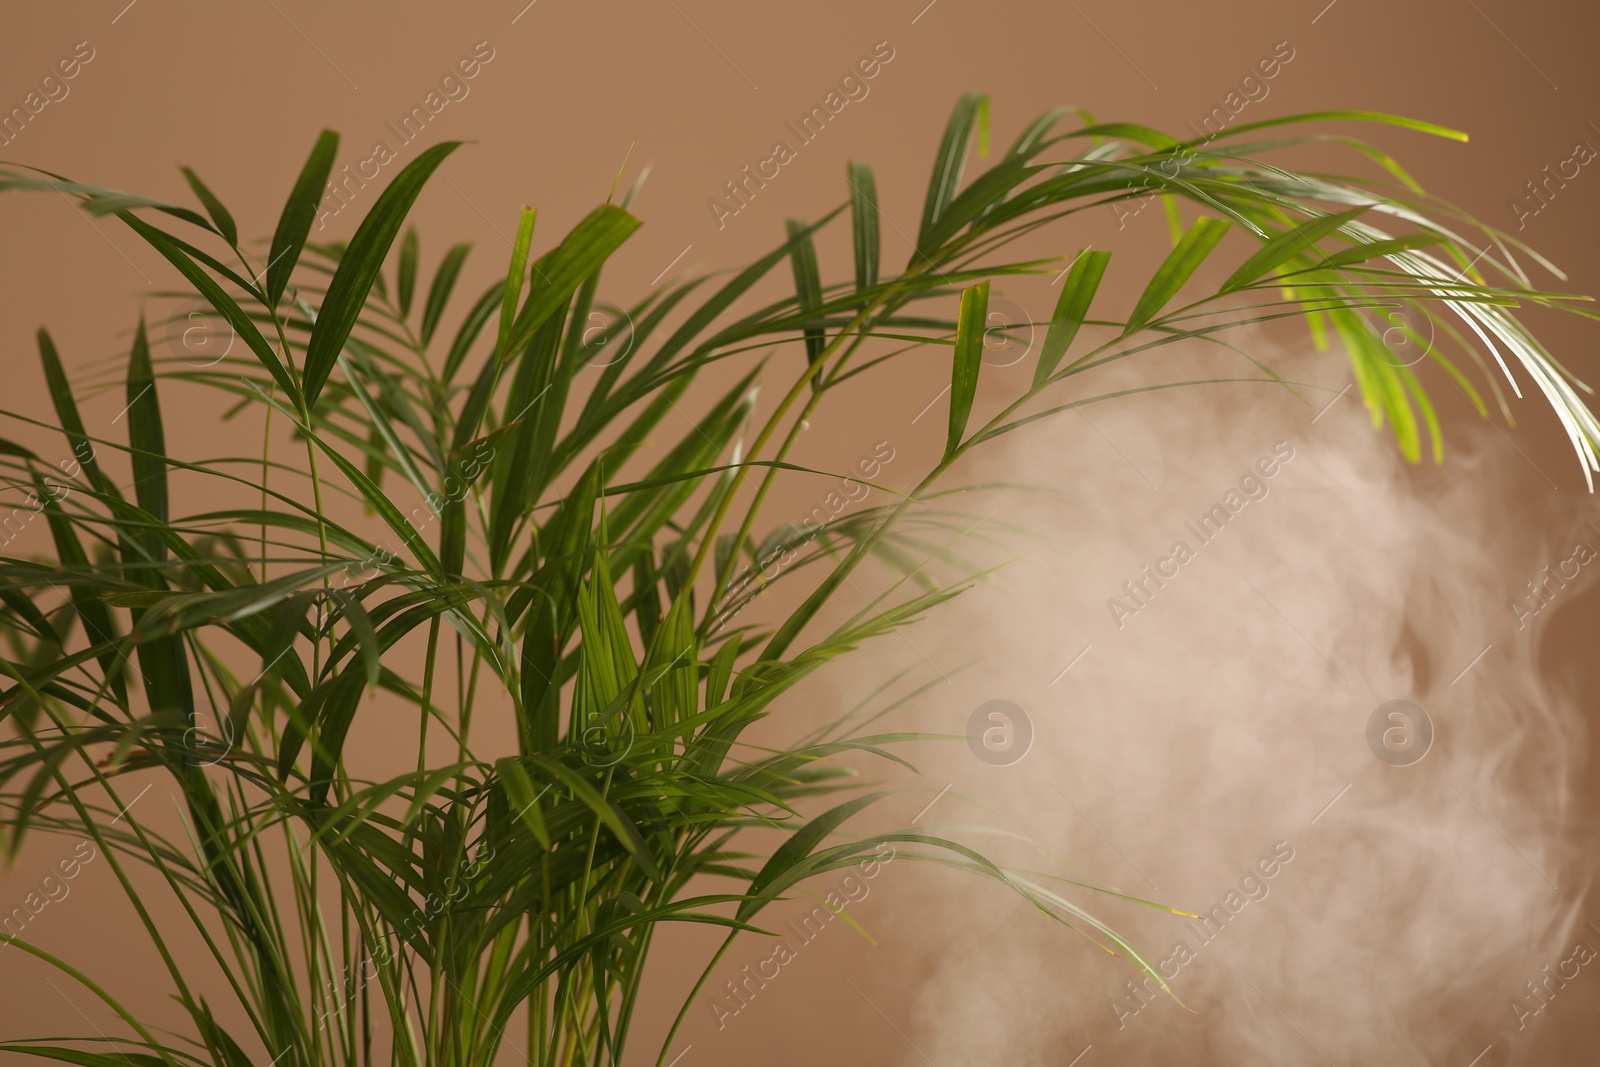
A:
(1170, 760)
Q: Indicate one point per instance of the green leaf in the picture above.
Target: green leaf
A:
(298, 212)
(577, 344)
(807, 285)
(608, 813)
(467, 333)
(789, 857)
(1363, 253)
(214, 207)
(864, 222)
(482, 391)
(606, 667)
(242, 324)
(524, 798)
(558, 273)
(646, 597)
(1299, 241)
(444, 281)
(338, 710)
(11, 448)
(721, 671)
(23, 606)
(205, 258)
(674, 665)
(98, 626)
(971, 111)
(1072, 307)
(516, 278)
(1358, 116)
(1183, 261)
(970, 326)
(232, 1054)
(359, 266)
(360, 623)
(100, 201)
(1032, 138)
(405, 283)
(145, 434)
(67, 411)
(383, 428)
(514, 471)
(551, 596)
(86, 1059)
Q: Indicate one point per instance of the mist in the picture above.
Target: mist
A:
(1209, 702)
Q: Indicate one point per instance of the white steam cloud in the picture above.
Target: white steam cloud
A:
(1204, 743)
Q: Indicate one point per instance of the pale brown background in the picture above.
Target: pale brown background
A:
(702, 87)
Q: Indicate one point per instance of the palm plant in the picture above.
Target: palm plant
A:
(588, 600)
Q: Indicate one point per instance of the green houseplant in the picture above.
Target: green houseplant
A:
(228, 651)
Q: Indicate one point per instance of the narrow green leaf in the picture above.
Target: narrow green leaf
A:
(721, 671)
(397, 451)
(467, 334)
(577, 343)
(23, 606)
(444, 282)
(86, 1059)
(807, 285)
(793, 852)
(646, 597)
(864, 222)
(359, 266)
(551, 599)
(242, 324)
(405, 282)
(67, 411)
(232, 1054)
(1169, 208)
(375, 454)
(1183, 261)
(606, 667)
(1072, 307)
(145, 434)
(360, 623)
(523, 797)
(609, 814)
(11, 448)
(558, 273)
(163, 661)
(514, 484)
(1364, 253)
(1033, 138)
(674, 663)
(1299, 241)
(98, 626)
(338, 711)
(482, 391)
(972, 110)
(1359, 116)
(298, 212)
(214, 207)
(100, 201)
(970, 326)
(516, 278)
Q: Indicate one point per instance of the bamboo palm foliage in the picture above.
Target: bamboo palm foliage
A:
(587, 598)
